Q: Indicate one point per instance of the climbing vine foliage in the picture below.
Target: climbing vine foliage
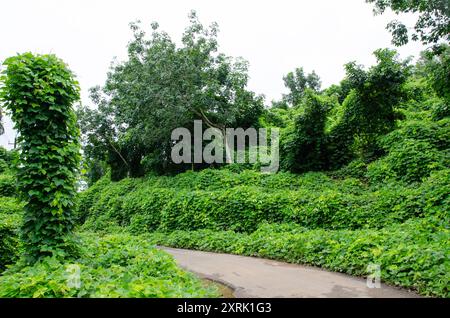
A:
(39, 91)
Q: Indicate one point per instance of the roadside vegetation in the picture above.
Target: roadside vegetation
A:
(364, 170)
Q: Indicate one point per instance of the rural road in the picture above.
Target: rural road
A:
(256, 277)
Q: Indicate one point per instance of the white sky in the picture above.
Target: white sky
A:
(274, 36)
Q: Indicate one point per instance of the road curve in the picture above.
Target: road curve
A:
(257, 277)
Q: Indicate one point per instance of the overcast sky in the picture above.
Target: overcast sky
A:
(274, 36)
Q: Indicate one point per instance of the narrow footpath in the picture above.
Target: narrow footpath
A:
(257, 277)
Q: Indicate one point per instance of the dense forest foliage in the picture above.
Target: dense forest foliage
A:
(364, 169)
(143, 100)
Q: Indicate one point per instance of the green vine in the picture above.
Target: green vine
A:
(39, 91)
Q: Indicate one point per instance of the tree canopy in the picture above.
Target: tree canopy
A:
(297, 82)
(432, 25)
(161, 87)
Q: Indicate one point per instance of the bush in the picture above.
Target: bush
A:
(304, 147)
(10, 205)
(8, 159)
(355, 169)
(111, 266)
(315, 201)
(3, 166)
(87, 198)
(441, 110)
(436, 134)
(410, 161)
(435, 194)
(239, 209)
(9, 239)
(143, 208)
(107, 199)
(413, 255)
(11, 211)
(215, 179)
(7, 185)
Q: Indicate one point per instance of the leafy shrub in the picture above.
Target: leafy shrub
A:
(215, 179)
(441, 110)
(3, 166)
(86, 199)
(413, 255)
(437, 134)
(10, 205)
(109, 202)
(355, 169)
(409, 161)
(239, 208)
(435, 194)
(9, 239)
(11, 211)
(7, 185)
(304, 147)
(143, 206)
(8, 159)
(313, 200)
(112, 266)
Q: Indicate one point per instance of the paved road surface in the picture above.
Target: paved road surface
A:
(256, 277)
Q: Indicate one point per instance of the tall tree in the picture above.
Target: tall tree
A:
(297, 82)
(436, 68)
(368, 111)
(161, 87)
(303, 146)
(432, 25)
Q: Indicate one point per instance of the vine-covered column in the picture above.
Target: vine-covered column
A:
(39, 91)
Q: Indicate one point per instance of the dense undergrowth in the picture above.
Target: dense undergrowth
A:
(115, 265)
(394, 211)
(341, 225)
(313, 200)
(111, 266)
